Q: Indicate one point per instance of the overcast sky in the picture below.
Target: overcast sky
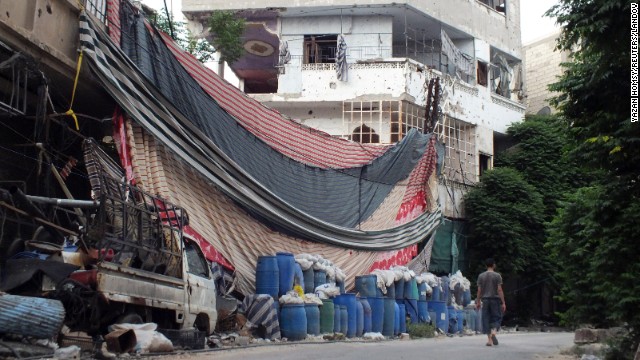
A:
(533, 24)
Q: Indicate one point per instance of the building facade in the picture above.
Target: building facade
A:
(361, 71)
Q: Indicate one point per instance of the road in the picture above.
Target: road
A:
(513, 346)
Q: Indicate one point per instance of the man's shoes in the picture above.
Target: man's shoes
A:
(494, 339)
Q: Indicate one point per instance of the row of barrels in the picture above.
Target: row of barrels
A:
(275, 275)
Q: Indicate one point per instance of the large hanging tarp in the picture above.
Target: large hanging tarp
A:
(198, 135)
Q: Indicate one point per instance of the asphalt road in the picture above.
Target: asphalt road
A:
(513, 346)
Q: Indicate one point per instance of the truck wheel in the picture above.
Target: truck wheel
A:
(202, 323)
(130, 318)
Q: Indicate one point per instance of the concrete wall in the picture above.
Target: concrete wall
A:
(470, 16)
(542, 67)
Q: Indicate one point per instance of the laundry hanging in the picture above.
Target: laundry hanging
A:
(341, 59)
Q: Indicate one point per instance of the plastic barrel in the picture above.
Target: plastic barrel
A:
(366, 285)
(396, 319)
(293, 321)
(313, 319)
(403, 318)
(359, 319)
(441, 314)
(466, 299)
(366, 315)
(391, 291)
(298, 276)
(460, 314)
(327, 314)
(423, 312)
(319, 278)
(308, 281)
(445, 296)
(389, 316)
(340, 284)
(432, 317)
(436, 293)
(453, 319)
(422, 291)
(377, 313)
(458, 294)
(411, 289)
(344, 319)
(399, 289)
(411, 307)
(267, 278)
(337, 317)
(479, 321)
(349, 300)
(286, 267)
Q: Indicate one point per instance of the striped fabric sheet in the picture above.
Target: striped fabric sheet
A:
(292, 139)
(259, 310)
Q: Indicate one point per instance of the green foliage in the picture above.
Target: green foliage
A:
(594, 237)
(420, 330)
(200, 48)
(227, 30)
(506, 217)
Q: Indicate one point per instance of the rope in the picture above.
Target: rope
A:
(73, 94)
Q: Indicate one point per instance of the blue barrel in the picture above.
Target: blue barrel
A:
(466, 299)
(441, 314)
(396, 319)
(377, 313)
(400, 289)
(479, 321)
(460, 314)
(411, 289)
(344, 319)
(349, 300)
(391, 291)
(458, 293)
(389, 316)
(423, 312)
(337, 317)
(293, 321)
(319, 278)
(340, 284)
(366, 315)
(432, 317)
(286, 267)
(298, 276)
(366, 285)
(436, 294)
(445, 296)
(327, 316)
(313, 319)
(411, 307)
(422, 291)
(403, 318)
(470, 318)
(309, 281)
(267, 278)
(453, 319)
(359, 319)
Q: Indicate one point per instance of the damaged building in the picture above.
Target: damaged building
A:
(134, 179)
(365, 72)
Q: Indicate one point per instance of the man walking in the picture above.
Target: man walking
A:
(491, 299)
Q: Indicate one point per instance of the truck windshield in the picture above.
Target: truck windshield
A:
(195, 260)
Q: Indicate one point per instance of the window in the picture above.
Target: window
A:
(459, 150)
(381, 121)
(195, 260)
(497, 5)
(482, 73)
(484, 163)
(320, 49)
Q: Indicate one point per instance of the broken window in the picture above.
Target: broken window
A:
(458, 138)
(320, 49)
(484, 163)
(497, 5)
(195, 260)
(482, 73)
(381, 121)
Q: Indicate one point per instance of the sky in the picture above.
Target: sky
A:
(533, 25)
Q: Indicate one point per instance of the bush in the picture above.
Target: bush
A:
(421, 330)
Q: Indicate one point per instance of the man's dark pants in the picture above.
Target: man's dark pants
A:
(491, 314)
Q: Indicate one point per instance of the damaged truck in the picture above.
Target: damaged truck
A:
(133, 262)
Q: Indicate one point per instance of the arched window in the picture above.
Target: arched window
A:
(365, 135)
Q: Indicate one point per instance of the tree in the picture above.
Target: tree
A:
(200, 48)
(227, 30)
(594, 237)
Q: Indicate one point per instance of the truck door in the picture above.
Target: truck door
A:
(201, 290)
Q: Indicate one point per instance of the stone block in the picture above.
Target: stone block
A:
(585, 336)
